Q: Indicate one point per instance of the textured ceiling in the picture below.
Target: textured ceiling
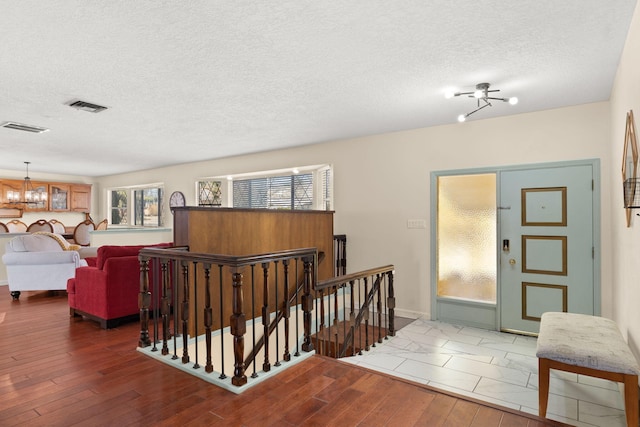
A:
(188, 81)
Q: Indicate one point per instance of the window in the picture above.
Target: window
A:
(279, 192)
(146, 203)
(299, 189)
(119, 213)
(209, 193)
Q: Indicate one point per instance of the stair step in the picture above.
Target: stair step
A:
(325, 340)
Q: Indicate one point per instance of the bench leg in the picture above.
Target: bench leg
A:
(631, 399)
(543, 386)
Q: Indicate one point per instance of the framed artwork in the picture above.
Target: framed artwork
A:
(629, 166)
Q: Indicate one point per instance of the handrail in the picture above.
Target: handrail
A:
(230, 260)
(327, 283)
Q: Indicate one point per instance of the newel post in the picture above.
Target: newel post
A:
(238, 324)
(307, 303)
(144, 302)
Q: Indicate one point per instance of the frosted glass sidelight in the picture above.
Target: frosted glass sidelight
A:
(466, 248)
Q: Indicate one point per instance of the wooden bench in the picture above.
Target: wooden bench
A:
(586, 345)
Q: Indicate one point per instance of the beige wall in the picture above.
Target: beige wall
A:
(381, 181)
(625, 250)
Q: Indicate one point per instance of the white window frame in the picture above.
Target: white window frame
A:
(130, 190)
(322, 191)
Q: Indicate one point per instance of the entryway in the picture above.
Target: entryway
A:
(511, 243)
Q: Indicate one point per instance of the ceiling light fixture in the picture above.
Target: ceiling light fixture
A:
(28, 195)
(484, 100)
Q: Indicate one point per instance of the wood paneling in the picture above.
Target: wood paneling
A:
(254, 231)
(239, 232)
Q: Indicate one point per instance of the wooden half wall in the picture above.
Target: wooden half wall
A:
(229, 231)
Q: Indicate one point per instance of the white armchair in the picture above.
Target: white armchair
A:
(40, 261)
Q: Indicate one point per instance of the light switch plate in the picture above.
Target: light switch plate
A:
(416, 223)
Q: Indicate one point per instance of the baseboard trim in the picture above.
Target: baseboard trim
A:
(409, 314)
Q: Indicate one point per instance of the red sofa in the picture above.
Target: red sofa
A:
(107, 290)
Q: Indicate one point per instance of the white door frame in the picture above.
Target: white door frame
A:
(486, 315)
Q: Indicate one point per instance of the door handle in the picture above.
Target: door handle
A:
(512, 261)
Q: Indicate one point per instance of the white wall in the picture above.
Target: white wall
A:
(381, 181)
(625, 251)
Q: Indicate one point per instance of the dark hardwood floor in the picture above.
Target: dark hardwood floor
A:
(62, 371)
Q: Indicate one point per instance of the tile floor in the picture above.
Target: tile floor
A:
(494, 367)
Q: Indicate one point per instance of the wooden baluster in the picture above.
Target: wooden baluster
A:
(176, 306)
(266, 365)
(277, 318)
(155, 301)
(307, 303)
(144, 301)
(238, 329)
(336, 320)
(322, 340)
(164, 308)
(366, 314)
(334, 291)
(185, 311)
(391, 302)
(352, 318)
(253, 317)
(360, 314)
(223, 375)
(344, 320)
(196, 365)
(379, 280)
(208, 316)
(297, 353)
(287, 311)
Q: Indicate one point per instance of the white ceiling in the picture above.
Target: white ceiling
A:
(196, 80)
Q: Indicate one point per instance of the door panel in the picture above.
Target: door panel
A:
(546, 230)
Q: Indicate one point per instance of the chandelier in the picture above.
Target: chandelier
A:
(484, 100)
(28, 195)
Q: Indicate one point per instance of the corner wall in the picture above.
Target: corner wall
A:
(625, 253)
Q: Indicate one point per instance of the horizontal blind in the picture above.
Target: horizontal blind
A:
(277, 192)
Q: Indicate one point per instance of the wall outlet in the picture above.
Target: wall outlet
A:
(416, 223)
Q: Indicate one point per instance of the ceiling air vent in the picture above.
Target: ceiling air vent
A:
(87, 106)
(26, 128)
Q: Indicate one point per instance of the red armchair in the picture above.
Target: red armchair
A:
(107, 290)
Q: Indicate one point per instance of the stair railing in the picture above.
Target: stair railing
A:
(354, 311)
(194, 298)
(340, 263)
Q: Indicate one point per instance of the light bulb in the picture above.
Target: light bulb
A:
(449, 94)
(478, 94)
(513, 100)
(462, 118)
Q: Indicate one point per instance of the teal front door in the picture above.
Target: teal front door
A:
(546, 239)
